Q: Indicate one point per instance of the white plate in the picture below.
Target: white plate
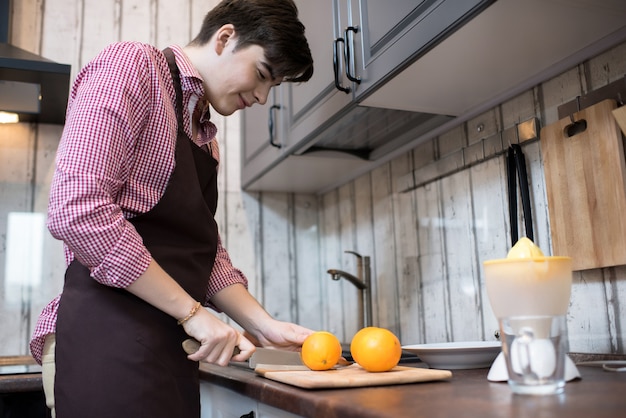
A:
(457, 355)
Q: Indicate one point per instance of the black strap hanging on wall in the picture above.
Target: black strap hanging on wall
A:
(516, 169)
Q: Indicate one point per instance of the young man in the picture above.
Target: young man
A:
(133, 199)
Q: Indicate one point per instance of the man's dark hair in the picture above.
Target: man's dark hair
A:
(271, 24)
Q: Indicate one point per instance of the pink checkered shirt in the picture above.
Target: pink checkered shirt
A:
(113, 163)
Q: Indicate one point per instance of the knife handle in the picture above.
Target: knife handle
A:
(191, 346)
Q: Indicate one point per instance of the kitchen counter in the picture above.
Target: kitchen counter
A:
(19, 380)
(599, 394)
(468, 394)
(21, 389)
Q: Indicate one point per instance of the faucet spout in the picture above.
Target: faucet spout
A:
(363, 283)
(338, 274)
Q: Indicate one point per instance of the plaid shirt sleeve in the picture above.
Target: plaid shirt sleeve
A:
(224, 274)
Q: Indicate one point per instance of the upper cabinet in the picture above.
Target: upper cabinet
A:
(317, 101)
(264, 135)
(392, 74)
(356, 46)
(389, 35)
(506, 49)
(364, 44)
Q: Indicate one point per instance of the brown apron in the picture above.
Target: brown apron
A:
(116, 355)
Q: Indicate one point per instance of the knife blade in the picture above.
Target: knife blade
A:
(264, 356)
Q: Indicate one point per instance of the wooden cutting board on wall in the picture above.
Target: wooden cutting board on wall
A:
(586, 187)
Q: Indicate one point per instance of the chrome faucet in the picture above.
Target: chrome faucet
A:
(363, 283)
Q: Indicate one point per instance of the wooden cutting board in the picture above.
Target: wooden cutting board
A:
(353, 376)
(586, 187)
(620, 117)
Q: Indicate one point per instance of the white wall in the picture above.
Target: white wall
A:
(426, 245)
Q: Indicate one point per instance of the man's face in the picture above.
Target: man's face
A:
(243, 77)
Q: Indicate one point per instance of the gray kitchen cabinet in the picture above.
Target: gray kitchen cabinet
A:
(318, 101)
(422, 69)
(388, 36)
(218, 402)
(365, 44)
(357, 45)
(295, 101)
(264, 135)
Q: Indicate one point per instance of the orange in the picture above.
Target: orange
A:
(376, 349)
(321, 351)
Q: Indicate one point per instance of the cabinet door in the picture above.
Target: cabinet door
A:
(314, 103)
(264, 135)
(219, 402)
(378, 40)
(394, 33)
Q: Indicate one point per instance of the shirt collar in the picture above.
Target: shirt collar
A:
(190, 77)
(192, 82)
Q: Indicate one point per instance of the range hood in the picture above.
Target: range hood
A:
(32, 86)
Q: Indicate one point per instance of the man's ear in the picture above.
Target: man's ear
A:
(223, 36)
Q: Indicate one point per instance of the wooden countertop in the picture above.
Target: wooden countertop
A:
(22, 382)
(598, 394)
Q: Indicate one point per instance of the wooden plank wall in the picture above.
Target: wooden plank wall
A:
(429, 243)
(426, 245)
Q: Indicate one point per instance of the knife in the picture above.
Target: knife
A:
(261, 356)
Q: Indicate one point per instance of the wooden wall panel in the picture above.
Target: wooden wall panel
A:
(411, 320)
(347, 237)
(588, 291)
(245, 242)
(173, 22)
(309, 273)
(384, 283)
(617, 325)
(137, 21)
(60, 36)
(331, 257)
(275, 278)
(461, 276)
(99, 26)
(538, 198)
(365, 245)
(612, 292)
(27, 25)
(238, 213)
(491, 235)
(607, 67)
(434, 292)
(198, 9)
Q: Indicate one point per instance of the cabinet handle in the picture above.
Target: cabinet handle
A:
(249, 415)
(350, 41)
(336, 66)
(271, 126)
